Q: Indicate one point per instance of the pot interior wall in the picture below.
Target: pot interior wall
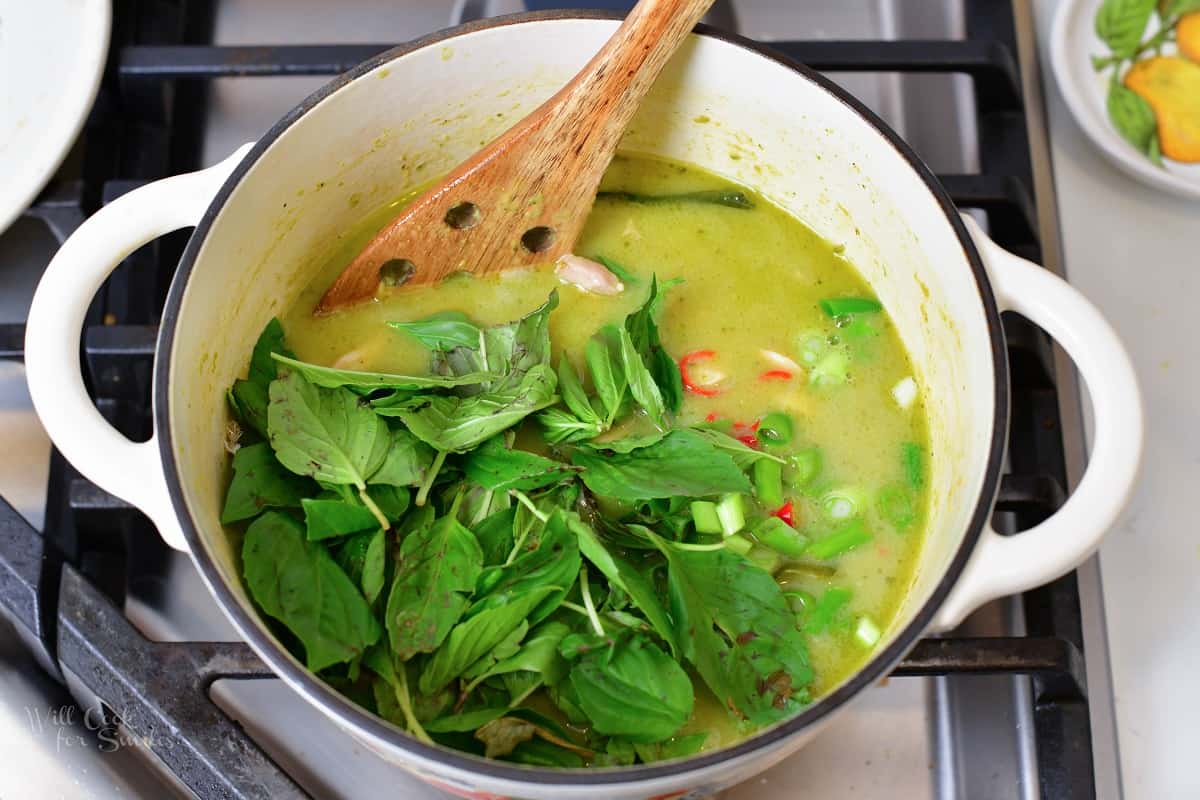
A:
(720, 106)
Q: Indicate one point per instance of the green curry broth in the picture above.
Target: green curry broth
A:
(753, 280)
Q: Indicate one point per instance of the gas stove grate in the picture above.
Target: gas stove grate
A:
(63, 590)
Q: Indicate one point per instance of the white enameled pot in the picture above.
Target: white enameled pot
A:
(266, 216)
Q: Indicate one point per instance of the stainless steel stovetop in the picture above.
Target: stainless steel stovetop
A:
(906, 738)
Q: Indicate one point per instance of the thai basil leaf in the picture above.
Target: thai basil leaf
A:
(742, 455)
(580, 419)
(467, 721)
(249, 401)
(249, 397)
(263, 368)
(574, 645)
(734, 625)
(328, 519)
(684, 463)
(298, 583)
(507, 647)
(407, 461)
(641, 383)
(636, 691)
(435, 574)
(326, 434)
(442, 331)
(457, 424)
(643, 332)
(495, 466)
(677, 747)
(624, 576)
(374, 566)
(508, 734)
(419, 519)
(530, 341)
(541, 753)
(573, 395)
(608, 375)
(628, 443)
(260, 482)
(479, 503)
(351, 553)
(560, 426)
(470, 640)
(537, 656)
(381, 661)
(552, 560)
(393, 501)
(363, 382)
(618, 752)
(505, 351)
(495, 535)
(501, 736)
(563, 696)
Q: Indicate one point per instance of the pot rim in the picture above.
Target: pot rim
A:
(336, 705)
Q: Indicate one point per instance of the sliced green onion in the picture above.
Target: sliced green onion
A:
(731, 511)
(913, 457)
(812, 346)
(768, 482)
(806, 465)
(799, 601)
(781, 537)
(739, 544)
(856, 329)
(840, 306)
(832, 369)
(895, 504)
(867, 632)
(765, 557)
(775, 429)
(704, 515)
(840, 542)
(827, 610)
(843, 503)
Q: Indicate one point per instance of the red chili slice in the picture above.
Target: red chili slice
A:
(784, 512)
(748, 439)
(775, 375)
(712, 417)
(696, 355)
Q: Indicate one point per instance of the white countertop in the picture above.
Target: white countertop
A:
(1135, 251)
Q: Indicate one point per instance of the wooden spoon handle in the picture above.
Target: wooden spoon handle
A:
(608, 91)
(529, 192)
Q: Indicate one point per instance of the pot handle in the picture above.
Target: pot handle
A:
(130, 470)
(1004, 565)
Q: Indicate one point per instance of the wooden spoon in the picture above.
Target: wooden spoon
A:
(524, 198)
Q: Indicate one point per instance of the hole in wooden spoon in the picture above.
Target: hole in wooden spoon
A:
(537, 240)
(464, 216)
(396, 272)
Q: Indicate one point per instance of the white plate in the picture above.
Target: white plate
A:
(1073, 41)
(52, 55)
